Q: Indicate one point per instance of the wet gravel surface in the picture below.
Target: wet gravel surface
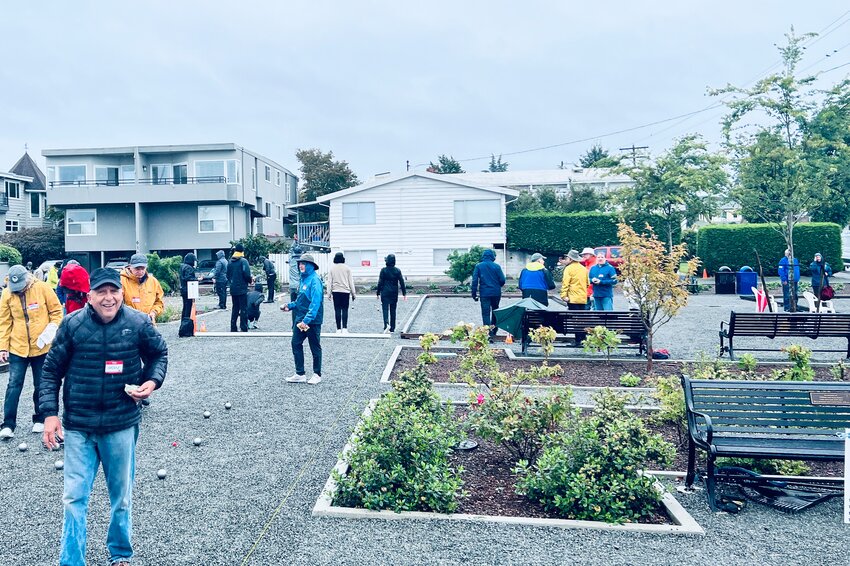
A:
(245, 495)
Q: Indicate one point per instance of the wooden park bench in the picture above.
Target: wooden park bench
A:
(627, 324)
(788, 420)
(773, 324)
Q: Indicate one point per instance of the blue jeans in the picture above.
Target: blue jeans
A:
(17, 372)
(488, 316)
(603, 303)
(84, 451)
(789, 294)
(312, 337)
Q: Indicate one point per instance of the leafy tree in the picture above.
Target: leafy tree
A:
(462, 264)
(651, 278)
(37, 244)
(56, 216)
(166, 270)
(497, 165)
(525, 202)
(828, 158)
(322, 174)
(446, 165)
(10, 255)
(583, 199)
(682, 184)
(256, 246)
(596, 156)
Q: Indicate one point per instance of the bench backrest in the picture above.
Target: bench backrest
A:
(570, 322)
(811, 325)
(771, 408)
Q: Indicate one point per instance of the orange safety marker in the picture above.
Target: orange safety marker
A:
(203, 326)
(704, 273)
(194, 317)
(509, 339)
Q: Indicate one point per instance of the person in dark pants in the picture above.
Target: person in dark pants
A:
(271, 277)
(390, 280)
(254, 300)
(294, 274)
(820, 271)
(187, 273)
(536, 281)
(341, 286)
(239, 277)
(30, 315)
(309, 312)
(789, 277)
(487, 282)
(220, 279)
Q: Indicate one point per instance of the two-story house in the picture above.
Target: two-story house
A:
(22, 200)
(169, 199)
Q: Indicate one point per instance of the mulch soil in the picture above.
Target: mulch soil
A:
(592, 372)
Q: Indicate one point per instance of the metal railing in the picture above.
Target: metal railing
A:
(4, 200)
(146, 181)
(317, 234)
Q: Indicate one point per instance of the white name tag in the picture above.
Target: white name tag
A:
(32, 306)
(114, 366)
(136, 300)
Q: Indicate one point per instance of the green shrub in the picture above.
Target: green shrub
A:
(671, 401)
(839, 370)
(801, 370)
(545, 336)
(771, 467)
(600, 339)
(168, 314)
(732, 245)
(462, 264)
(591, 470)
(166, 270)
(37, 244)
(257, 246)
(706, 367)
(630, 380)
(748, 364)
(10, 254)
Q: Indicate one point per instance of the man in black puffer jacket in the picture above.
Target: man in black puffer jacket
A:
(239, 276)
(106, 358)
(187, 273)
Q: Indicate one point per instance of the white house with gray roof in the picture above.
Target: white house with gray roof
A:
(22, 200)
(169, 199)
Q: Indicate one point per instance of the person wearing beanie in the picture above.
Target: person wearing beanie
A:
(187, 273)
(271, 276)
(254, 299)
(220, 279)
(294, 275)
(309, 312)
(239, 277)
(820, 271)
(390, 280)
(74, 283)
(487, 282)
(341, 288)
(142, 291)
(30, 315)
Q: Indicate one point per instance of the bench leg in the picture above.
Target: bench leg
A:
(710, 484)
(731, 350)
(722, 347)
(689, 479)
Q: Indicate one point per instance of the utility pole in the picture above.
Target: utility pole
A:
(408, 165)
(634, 151)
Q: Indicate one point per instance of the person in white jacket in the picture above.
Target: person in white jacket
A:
(341, 287)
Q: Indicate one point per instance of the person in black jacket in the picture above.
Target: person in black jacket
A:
(105, 358)
(239, 276)
(220, 279)
(271, 276)
(254, 300)
(389, 281)
(187, 273)
(489, 278)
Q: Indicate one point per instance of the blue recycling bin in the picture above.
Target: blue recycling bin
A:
(746, 279)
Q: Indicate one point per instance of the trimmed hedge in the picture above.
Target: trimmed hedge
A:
(552, 233)
(732, 245)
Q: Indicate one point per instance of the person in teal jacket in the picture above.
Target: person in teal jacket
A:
(603, 277)
(820, 272)
(308, 309)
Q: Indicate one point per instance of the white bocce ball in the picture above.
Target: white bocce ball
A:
(161, 473)
(207, 414)
(227, 405)
(58, 464)
(22, 446)
(197, 441)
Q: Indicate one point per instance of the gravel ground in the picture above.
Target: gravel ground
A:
(245, 496)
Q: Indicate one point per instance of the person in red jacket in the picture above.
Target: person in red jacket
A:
(588, 260)
(75, 282)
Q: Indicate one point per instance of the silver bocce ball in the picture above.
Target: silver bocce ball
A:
(227, 405)
(196, 441)
(22, 446)
(207, 414)
(59, 464)
(161, 473)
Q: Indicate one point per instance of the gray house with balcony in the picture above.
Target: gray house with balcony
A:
(22, 200)
(169, 199)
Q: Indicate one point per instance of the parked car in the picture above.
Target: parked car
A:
(42, 270)
(204, 271)
(612, 254)
(117, 264)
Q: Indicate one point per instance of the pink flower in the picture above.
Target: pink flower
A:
(480, 398)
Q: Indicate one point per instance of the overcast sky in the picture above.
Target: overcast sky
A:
(382, 82)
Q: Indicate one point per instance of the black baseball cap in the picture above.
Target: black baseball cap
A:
(104, 276)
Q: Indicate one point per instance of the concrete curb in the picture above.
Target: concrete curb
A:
(683, 522)
(286, 335)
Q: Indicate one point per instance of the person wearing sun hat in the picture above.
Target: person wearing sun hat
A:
(588, 260)
(30, 314)
(535, 280)
(574, 284)
(308, 310)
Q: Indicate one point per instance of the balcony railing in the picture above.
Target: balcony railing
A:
(4, 201)
(315, 234)
(148, 181)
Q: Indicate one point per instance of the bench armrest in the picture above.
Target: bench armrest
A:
(703, 440)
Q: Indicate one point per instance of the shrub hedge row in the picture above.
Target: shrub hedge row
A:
(732, 245)
(553, 233)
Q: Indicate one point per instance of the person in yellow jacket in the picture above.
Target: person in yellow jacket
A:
(142, 290)
(574, 285)
(30, 314)
(53, 275)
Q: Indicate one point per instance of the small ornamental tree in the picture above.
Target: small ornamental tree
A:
(653, 279)
(462, 264)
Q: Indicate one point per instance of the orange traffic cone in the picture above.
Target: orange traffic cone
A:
(203, 326)
(509, 339)
(704, 273)
(194, 317)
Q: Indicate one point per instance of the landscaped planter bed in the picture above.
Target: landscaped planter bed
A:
(593, 372)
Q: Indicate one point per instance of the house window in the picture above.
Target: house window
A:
(478, 213)
(233, 175)
(161, 173)
(35, 205)
(81, 222)
(268, 210)
(214, 218)
(268, 174)
(441, 256)
(106, 176)
(71, 174)
(217, 171)
(253, 178)
(181, 174)
(128, 173)
(12, 225)
(279, 210)
(277, 177)
(358, 213)
(361, 258)
(13, 189)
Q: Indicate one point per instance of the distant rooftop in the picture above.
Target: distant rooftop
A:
(26, 167)
(541, 177)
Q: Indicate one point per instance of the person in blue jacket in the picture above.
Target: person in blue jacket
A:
(487, 282)
(603, 277)
(789, 278)
(536, 281)
(821, 272)
(308, 309)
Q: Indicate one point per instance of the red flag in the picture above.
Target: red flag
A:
(761, 301)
